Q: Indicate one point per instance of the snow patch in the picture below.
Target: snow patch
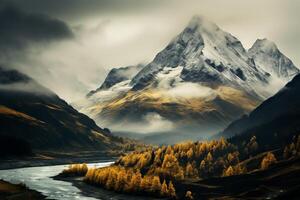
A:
(114, 91)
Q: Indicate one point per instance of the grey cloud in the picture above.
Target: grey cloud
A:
(19, 29)
(110, 33)
(77, 9)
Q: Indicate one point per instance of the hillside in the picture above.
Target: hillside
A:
(33, 116)
(279, 114)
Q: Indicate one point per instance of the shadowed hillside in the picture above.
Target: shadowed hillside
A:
(33, 116)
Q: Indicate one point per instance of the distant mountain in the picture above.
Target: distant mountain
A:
(267, 56)
(278, 115)
(197, 85)
(35, 115)
(117, 75)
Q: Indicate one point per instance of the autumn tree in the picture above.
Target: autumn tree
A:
(155, 185)
(239, 169)
(171, 167)
(229, 171)
(190, 153)
(202, 165)
(172, 191)
(135, 182)
(189, 170)
(164, 189)
(268, 160)
(233, 158)
(188, 195)
(209, 157)
(76, 169)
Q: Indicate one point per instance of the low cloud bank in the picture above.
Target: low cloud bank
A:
(191, 90)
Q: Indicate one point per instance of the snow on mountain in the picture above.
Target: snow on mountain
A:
(201, 81)
(117, 75)
(267, 56)
(207, 55)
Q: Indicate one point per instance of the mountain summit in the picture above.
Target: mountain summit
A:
(267, 56)
(207, 54)
(201, 81)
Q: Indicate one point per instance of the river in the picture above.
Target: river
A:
(39, 179)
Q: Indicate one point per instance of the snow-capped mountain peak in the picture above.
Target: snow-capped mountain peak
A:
(264, 45)
(203, 79)
(208, 55)
(267, 56)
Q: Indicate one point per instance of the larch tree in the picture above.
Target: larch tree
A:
(190, 153)
(156, 185)
(164, 189)
(172, 191)
(268, 160)
(229, 171)
(188, 195)
(209, 157)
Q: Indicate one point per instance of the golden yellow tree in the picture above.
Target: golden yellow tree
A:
(202, 165)
(164, 189)
(229, 171)
(189, 170)
(190, 153)
(179, 175)
(209, 157)
(188, 195)
(155, 185)
(172, 191)
(135, 182)
(268, 160)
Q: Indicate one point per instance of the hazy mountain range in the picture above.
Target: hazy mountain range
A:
(197, 85)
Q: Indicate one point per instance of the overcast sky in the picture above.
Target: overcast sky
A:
(70, 45)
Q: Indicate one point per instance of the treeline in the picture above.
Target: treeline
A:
(130, 181)
(186, 160)
(156, 171)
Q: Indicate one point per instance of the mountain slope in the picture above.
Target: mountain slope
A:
(197, 85)
(117, 75)
(279, 114)
(36, 115)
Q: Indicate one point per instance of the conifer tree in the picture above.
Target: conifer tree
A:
(156, 185)
(172, 191)
(164, 189)
(229, 171)
(268, 160)
(189, 195)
